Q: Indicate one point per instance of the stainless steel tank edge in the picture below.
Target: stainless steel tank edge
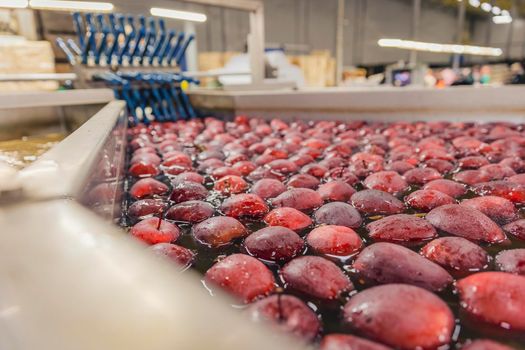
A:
(70, 280)
(479, 104)
(84, 284)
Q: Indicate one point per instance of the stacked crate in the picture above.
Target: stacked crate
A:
(26, 57)
(213, 60)
(318, 68)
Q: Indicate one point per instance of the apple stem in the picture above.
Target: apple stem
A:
(163, 215)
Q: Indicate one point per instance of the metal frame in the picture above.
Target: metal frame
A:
(30, 113)
(33, 99)
(74, 76)
(37, 77)
(63, 170)
(381, 103)
(244, 5)
(339, 42)
(255, 9)
(416, 16)
(459, 32)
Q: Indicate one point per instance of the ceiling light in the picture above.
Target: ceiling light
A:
(59, 5)
(440, 48)
(474, 3)
(176, 14)
(496, 10)
(486, 7)
(14, 4)
(502, 19)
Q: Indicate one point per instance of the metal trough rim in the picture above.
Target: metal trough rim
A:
(479, 104)
(62, 171)
(70, 280)
(34, 99)
(82, 283)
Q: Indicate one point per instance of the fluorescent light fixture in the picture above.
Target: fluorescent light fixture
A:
(439, 48)
(62, 5)
(474, 3)
(14, 4)
(502, 19)
(485, 6)
(496, 10)
(176, 14)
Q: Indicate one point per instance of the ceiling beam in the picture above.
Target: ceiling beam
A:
(244, 5)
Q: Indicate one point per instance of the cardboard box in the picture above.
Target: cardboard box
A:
(27, 57)
(318, 68)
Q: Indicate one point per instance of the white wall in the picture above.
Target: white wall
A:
(496, 35)
(313, 23)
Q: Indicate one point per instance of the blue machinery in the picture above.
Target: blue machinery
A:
(140, 60)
